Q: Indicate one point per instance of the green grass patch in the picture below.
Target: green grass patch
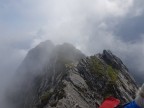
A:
(45, 97)
(96, 66)
(113, 74)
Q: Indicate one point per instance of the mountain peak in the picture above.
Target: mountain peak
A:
(70, 79)
(45, 43)
(113, 60)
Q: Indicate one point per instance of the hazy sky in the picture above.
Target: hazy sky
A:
(90, 25)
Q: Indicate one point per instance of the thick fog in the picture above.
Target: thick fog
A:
(90, 26)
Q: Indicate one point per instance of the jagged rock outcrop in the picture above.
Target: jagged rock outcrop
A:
(66, 78)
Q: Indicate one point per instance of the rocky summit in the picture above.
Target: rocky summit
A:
(61, 76)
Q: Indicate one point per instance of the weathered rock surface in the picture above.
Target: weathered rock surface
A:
(68, 79)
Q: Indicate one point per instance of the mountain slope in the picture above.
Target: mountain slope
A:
(66, 78)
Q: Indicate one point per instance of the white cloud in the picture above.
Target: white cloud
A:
(89, 25)
(86, 24)
(67, 21)
(80, 22)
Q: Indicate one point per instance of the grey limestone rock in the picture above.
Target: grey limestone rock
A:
(66, 78)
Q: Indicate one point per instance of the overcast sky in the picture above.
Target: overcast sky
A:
(90, 25)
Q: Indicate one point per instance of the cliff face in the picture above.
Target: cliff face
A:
(66, 78)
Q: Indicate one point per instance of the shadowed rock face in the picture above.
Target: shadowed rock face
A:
(62, 77)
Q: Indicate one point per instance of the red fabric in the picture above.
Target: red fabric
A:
(110, 102)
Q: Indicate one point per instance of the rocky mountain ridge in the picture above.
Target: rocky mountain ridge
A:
(62, 77)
